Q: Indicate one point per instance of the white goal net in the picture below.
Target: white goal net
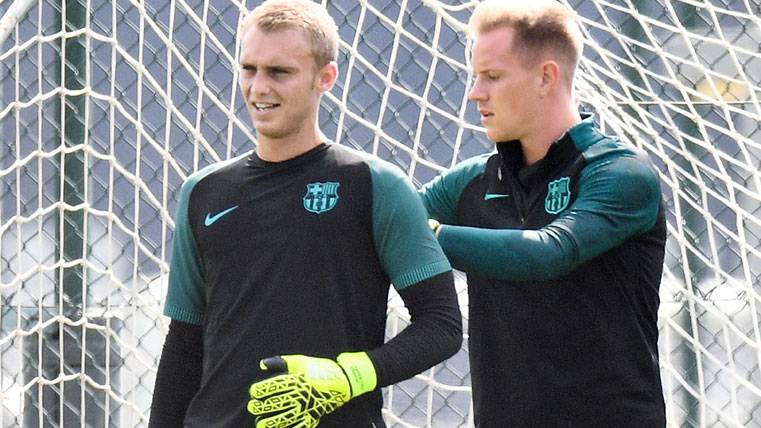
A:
(106, 106)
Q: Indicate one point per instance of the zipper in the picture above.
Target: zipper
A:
(520, 202)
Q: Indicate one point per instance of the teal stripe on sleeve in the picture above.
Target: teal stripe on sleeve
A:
(408, 251)
(442, 194)
(185, 298)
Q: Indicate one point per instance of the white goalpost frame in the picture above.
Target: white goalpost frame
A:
(680, 79)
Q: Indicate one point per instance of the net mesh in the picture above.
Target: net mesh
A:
(106, 107)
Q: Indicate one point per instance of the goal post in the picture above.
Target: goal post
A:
(107, 106)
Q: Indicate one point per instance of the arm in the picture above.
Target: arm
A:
(179, 375)
(618, 198)
(180, 367)
(185, 298)
(313, 387)
(442, 194)
(434, 334)
(420, 273)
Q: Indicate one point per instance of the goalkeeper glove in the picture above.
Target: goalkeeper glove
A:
(309, 389)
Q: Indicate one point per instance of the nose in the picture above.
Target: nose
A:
(260, 84)
(476, 92)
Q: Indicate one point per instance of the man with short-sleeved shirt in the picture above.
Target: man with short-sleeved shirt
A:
(282, 259)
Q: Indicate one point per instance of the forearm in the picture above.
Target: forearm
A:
(618, 197)
(576, 237)
(179, 375)
(509, 253)
(434, 335)
(308, 388)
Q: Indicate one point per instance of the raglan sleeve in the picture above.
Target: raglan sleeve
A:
(441, 195)
(185, 298)
(421, 274)
(180, 367)
(406, 247)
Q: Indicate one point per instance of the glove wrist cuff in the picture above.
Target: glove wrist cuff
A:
(360, 371)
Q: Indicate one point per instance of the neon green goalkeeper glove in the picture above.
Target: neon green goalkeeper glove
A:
(309, 389)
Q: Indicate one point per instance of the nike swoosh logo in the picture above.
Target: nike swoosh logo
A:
(211, 219)
(489, 196)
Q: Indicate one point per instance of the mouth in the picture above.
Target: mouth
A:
(485, 114)
(263, 107)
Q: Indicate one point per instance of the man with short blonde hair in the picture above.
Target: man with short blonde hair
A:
(282, 259)
(561, 233)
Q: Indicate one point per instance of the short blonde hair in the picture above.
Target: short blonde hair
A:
(542, 27)
(306, 15)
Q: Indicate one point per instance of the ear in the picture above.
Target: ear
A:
(326, 76)
(550, 77)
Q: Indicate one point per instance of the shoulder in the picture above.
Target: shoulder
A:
(380, 170)
(220, 167)
(622, 162)
(619, 166)
(470, 167)
(455, 179)
(596, 146)
(198, 179)
(611, 149)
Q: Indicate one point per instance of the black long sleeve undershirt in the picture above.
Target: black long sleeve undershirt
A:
(434, 334)
(179, 375)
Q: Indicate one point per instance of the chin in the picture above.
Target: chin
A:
(495, 137)
(499, 137)
(269, 134)
(273, 133)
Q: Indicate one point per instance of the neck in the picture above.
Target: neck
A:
(279, 149)
(552, 125)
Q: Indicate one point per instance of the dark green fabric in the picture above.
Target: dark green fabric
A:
(599, 220)
(441, 195)
(406, 247)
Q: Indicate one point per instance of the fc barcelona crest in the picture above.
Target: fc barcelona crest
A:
(321, 197)
(558, 195)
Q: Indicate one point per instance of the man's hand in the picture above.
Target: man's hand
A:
(434, 225)
(309, 388)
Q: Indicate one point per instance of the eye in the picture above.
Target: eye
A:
(486, 76)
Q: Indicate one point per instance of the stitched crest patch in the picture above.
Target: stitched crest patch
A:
(321, 197)
(558, 195)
